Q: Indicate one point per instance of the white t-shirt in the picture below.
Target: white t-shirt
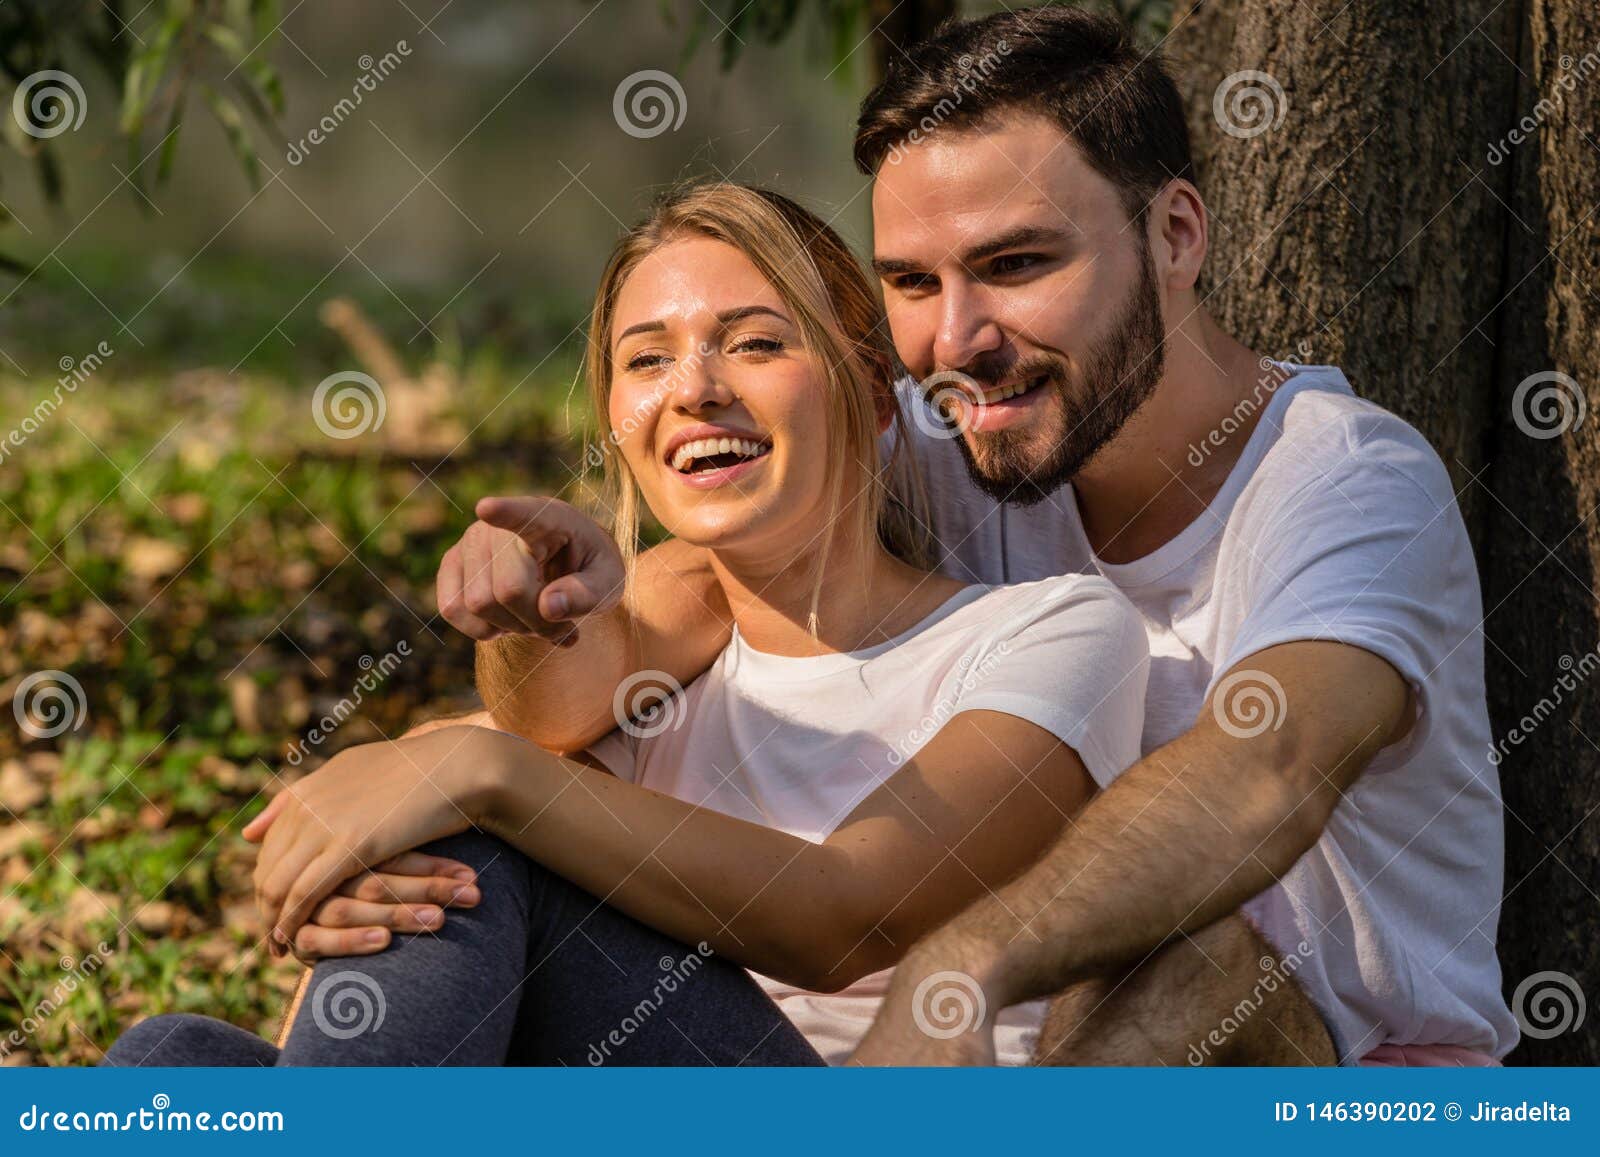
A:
(797, 743)
(1338, 522)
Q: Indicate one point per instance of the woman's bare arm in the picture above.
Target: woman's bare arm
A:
(975, 807)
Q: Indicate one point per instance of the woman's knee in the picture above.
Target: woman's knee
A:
(182, 1038)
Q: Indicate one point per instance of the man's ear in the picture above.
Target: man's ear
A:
(1179, 224)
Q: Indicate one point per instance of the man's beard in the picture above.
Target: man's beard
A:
(1118, 375)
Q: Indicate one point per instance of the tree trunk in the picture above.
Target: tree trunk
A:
(899, 23)
(1357, 219)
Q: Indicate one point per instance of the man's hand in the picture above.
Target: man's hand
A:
(528, 566)
(360, 809)
(931, 1017)
(405, 894)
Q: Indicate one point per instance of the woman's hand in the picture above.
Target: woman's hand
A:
(529, 566)
(362, 807)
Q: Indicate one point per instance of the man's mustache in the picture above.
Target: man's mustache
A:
(989, 373)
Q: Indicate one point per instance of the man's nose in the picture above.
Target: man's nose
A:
(967, 328)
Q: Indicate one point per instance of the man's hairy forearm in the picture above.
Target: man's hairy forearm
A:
(1179, 840)
(1186, 835)
(674, 621)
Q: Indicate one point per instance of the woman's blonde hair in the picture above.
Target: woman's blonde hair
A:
(843, 329)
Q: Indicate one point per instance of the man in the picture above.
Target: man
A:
(1305, 866)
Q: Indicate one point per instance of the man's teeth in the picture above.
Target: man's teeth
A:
(1001, 393)
(707, 447)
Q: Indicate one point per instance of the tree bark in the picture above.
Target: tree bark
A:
(1542, 552)
(1357, 219)
(897, 24)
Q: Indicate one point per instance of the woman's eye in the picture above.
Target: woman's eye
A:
(641, 362)
(758, 345)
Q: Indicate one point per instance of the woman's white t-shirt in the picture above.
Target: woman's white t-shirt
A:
(797, 743)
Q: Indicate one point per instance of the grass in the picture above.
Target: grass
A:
(212, 570)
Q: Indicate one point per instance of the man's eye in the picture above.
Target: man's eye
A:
(1014, 263)
(914, 282)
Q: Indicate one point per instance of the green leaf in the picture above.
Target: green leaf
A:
(233, 126)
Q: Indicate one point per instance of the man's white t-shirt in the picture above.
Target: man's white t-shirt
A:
(797, 743)
(1338, 522)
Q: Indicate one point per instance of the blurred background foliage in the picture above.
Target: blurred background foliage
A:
(177, 535)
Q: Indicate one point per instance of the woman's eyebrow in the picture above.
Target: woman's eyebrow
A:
(726, 317)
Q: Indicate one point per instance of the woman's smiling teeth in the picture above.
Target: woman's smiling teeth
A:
(715, 453)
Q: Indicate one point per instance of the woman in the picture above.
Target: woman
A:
(876, 746)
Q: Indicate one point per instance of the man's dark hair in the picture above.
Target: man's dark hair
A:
(1083, 71)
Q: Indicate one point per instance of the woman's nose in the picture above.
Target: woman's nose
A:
(698, 382)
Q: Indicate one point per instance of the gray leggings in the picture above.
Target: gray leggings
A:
(539, 973)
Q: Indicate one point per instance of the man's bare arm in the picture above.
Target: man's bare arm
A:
(540, 585)
(1184, 837)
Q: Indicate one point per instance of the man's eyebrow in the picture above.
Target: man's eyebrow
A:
(1010, 239)
(726, 317)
